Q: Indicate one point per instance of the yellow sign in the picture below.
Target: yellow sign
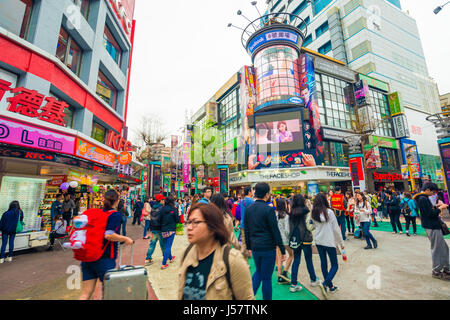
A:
(103, 91)
(232, 81)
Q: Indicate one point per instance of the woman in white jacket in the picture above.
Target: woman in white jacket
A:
(327, 237)
(363, 211)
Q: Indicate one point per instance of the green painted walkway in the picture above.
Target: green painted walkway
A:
(387, 227)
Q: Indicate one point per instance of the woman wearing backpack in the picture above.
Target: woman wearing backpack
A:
(92, 271)
(363, 210)
(219, 201)
(169, 221)
(283, 225)
(9, 227)
(409, 210)
(297, 220)
(210, 268)
(327, 237)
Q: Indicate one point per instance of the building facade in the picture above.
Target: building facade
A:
(376, 38)
(64, 75)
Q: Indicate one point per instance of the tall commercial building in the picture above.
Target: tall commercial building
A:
(64, 74)
(376, 38)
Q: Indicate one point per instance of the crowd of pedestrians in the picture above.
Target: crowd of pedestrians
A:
(224, 232)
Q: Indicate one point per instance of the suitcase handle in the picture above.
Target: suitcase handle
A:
(120, 255)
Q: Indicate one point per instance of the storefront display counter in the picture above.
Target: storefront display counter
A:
(28, 240)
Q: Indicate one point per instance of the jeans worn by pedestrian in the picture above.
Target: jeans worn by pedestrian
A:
(265, 265)
(341, 222)
(124, 226)
(411, 220)
(168, 242)
(350, 223)
(395, 221)
(309, 263)
(328, 275)
(151, 248)
(5, 238)
(146, 227)
(365, 226)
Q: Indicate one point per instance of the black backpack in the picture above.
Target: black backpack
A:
(406, 211)
(155, 218)
(294, 238)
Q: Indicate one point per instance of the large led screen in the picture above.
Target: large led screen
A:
(277, 80)
(279, 132)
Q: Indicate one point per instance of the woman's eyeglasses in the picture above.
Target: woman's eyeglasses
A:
(194, 223)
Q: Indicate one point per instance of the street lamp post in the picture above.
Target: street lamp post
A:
(439, 8)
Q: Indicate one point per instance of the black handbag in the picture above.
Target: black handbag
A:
(444, 227)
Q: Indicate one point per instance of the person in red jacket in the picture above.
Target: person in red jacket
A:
(338, 205)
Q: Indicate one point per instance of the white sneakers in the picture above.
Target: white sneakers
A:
(295, 288)
(9, 259)
(316, 283)
(2, 260)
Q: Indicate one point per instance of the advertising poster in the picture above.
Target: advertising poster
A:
(88, 151)
(156, 179)
(409, 151)
(357, 173)
(396, 103)
(405, 172)
(372, 157)
(308, 93)
(362, 96)
(186, 162)
(247, 96)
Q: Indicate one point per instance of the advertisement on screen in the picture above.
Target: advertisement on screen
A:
(277, 81)
(278, 132)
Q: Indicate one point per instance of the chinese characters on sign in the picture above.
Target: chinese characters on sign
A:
(29, 102)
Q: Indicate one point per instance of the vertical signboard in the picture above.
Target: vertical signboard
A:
(362, 96)
(396, 103)
(223, 179)
(357, 172)
(309, 95)
(444, 148)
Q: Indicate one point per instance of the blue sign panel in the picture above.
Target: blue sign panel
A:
(273, 35)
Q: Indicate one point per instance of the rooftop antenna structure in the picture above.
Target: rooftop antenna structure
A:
(254, 3)
(239, 13)
(232, 25)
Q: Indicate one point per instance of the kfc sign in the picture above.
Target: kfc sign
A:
(117, 142)
(125, 12)
(387, 176)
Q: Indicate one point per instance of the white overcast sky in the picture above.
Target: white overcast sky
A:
(184, 52)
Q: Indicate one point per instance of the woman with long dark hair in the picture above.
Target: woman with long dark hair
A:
(327, 236)
(169, 221)
(201, 274)
(363, 210)
(219, 201)
(283, 224)
(8, 226)
(297, 219)
(349, 212)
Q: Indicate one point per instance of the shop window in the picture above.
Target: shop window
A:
(111, 46)
(69, 52)
(84, 6)
(98, 132)
(322, 29)
(106, 90)
(307, 41)
(68, 116)
(15, 16)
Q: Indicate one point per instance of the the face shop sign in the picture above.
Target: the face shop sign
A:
(281, 175)
(235, 179)
(335, 174)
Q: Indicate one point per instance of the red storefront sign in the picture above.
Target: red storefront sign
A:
(117, 142)
(57, 180)
(29, 102)
(387, 176)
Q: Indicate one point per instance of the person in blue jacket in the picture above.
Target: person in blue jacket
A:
(56, 208)
(8, 226)
(410, 217)
(207, 193)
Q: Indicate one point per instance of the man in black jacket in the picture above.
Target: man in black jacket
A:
(429, 216)
(137, 210)
(262, 236)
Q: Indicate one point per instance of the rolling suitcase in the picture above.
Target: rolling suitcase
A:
(126, 282)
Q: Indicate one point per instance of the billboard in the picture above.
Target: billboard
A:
(396, 103)
(277, 80)
(273, 35)
(362, 96)
(91, 152)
